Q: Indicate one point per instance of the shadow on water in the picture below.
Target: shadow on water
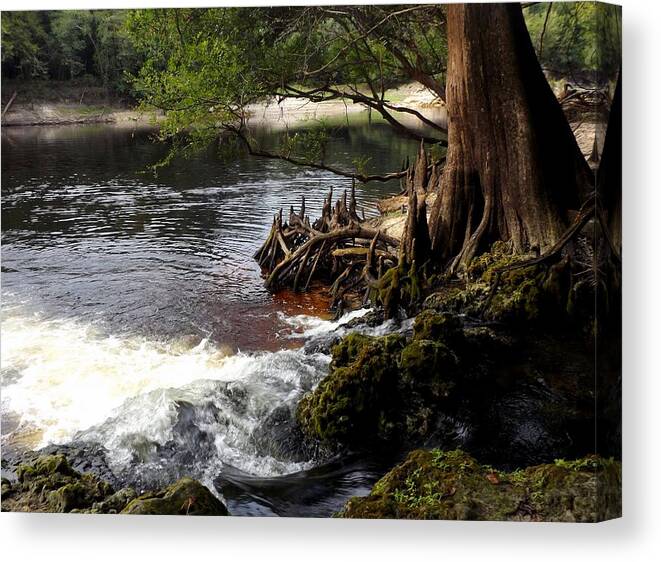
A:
(318, 492)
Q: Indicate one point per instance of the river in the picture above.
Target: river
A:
(134, 316)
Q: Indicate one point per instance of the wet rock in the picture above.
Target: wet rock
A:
(280, 437)
(355, 400)
(322, 344)
(82, 457)
(371, 319)
(441, 327)
(114, 503)
(383, 388)
(49, 484)
(430, 367)
(435, 484)
(511, 398)
(184, 497)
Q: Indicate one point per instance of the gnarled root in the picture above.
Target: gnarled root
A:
(339, 247)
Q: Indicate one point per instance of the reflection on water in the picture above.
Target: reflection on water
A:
(87, 235)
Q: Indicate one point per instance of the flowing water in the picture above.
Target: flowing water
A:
(135, 317)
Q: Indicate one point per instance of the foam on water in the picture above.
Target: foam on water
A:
(306, 326)
(69, 380)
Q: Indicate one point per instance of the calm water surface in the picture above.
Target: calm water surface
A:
(87, 234)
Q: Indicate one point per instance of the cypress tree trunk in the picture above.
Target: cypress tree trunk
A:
(513, 168)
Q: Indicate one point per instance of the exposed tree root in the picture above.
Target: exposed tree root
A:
(588, 212)
(339, 247)
(350, 256)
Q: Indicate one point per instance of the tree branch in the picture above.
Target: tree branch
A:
(363, 178)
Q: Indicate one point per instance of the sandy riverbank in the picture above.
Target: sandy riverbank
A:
(73, 114)
(274, 113)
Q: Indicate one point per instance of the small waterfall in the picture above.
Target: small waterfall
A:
(162, 409)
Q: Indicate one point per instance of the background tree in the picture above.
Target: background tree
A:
(576, 40)
(206, 66)
(69, 45)
(23, 45)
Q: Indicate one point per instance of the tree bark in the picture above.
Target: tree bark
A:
(513, 168)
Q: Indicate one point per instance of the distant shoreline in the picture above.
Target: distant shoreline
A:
(47, 111)
(74, 114)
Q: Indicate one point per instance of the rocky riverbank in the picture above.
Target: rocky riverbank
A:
(50, 485)
(435, 484)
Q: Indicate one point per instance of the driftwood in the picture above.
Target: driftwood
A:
(9, 103)
(338, 248)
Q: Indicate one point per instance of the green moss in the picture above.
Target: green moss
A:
(384, 388)
(484, 267)
(444, 327)
(184, 497)
(51, 485)
(45, 466)
(429, 365)
(464, 299)
(114, 503)
(520, 296)
(346, 351)
(79, 494)
(536, 294)
(354, 400)
(400, 285)
(453, 485)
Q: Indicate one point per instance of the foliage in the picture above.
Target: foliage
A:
(67, 45)
(23, 41)
(576, 40)
(205, 67)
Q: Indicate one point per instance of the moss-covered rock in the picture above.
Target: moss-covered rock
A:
(384, 388)
(540, 294)
(355, 399)
(114, 503)
(78, 495)
(441, 327)
(47, 466)
(184, 497)
(50, 485)
(434, 484)
(429, 366)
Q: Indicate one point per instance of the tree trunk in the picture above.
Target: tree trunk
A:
(513, 168)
